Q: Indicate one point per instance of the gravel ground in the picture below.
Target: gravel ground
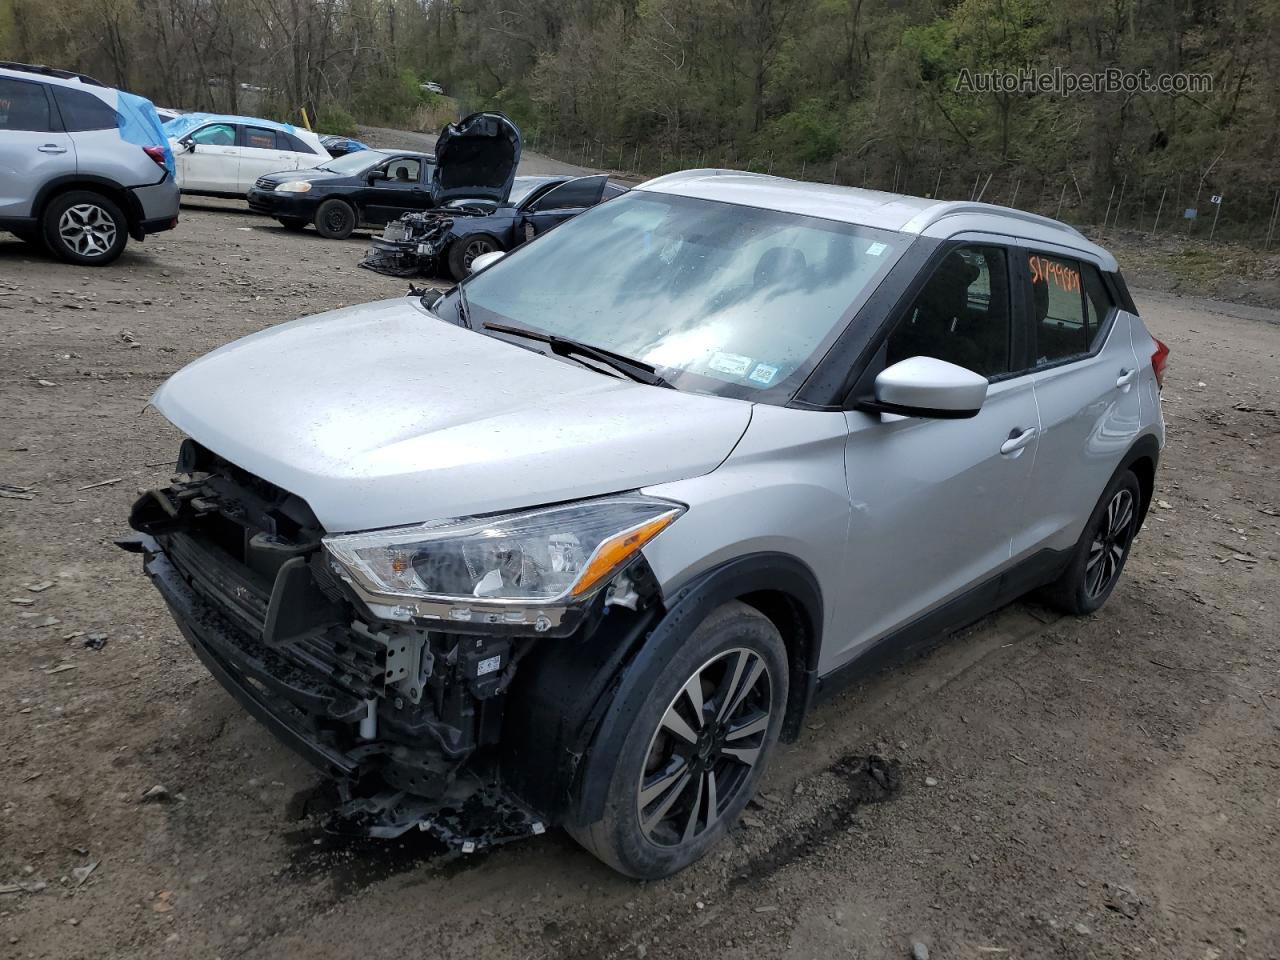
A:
(1097, 787)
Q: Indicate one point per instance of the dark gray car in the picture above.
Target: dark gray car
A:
(83, 167)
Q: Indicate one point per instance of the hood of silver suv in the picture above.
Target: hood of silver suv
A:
(381, 414)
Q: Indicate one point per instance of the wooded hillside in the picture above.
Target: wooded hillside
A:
(859, 91)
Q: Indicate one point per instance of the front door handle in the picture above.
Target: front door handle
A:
(1126, 379)
(51, 148)
(1018, 439)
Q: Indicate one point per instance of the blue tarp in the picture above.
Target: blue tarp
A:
(181, 125)
(140, 124)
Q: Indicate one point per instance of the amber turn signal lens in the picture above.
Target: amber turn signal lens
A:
(616, 551)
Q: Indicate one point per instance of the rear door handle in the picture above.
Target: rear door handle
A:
(1126, 378)
(51, 148)
(1017, 440)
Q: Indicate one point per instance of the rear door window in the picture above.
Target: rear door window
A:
(83, 111)
(23, 106)
(259, 137)
(1069, 307)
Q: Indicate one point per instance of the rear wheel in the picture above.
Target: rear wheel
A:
(84, 227)
(464, 251)
(335, 219)
(292, 224)
(1100, 555)
(696, 748)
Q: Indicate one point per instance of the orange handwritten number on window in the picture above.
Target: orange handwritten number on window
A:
(1064, 277)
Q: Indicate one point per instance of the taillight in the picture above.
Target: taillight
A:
(156, 154)
(1159, 360)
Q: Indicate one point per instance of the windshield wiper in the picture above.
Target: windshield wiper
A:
(637, 370)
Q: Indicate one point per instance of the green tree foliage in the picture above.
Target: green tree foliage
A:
(859, 91)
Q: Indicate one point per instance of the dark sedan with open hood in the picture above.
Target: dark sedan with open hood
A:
(449, 239)
(475, 160)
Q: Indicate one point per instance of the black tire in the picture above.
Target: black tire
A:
(465, 249)
(84, 227)
(292, 224)
(727, 646)
(1101, 553)
(336, 219)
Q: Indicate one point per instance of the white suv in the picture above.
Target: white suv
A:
(577, 542)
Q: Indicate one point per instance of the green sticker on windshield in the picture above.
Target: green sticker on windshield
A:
(876, 249)
(763, 373)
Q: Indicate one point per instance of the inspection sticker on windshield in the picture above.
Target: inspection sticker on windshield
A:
(876, 249)
(763, 373)
(731, 363)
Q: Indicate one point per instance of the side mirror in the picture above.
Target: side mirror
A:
(375, 175)
(188, 143)
(486, 260)
(928, 387)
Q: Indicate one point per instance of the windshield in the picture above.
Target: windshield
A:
(354, 162)
(718, 297)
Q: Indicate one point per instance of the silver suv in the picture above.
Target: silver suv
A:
(580, 540)
(82, 166)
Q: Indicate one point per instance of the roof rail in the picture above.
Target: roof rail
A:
(939, 211)
(51, 72)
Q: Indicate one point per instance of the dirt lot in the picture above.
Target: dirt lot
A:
(1102, 787)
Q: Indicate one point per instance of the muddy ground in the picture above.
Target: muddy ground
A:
(1098, 787)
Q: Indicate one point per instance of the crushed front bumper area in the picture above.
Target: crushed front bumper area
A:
(409, 246)
(306, 713)
(406, 719)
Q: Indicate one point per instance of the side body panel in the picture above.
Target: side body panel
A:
(29, 158)
(1090, 416)
(102, 153)
(781, 491)
(935, 506)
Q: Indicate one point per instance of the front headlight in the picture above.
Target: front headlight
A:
(551, 556)
(294, 186)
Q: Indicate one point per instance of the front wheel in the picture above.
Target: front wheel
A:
(696, 749)
(335, 219)
(464, 251)
(1101, 553)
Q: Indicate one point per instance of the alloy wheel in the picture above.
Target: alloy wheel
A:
(87, 230)
(474, 249)
(1107, 551)
(704, 748)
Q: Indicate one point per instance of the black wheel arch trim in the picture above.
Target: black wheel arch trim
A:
(77, 181)
(736, 579)
(1146, 447)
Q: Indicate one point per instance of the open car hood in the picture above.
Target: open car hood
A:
(476, 158)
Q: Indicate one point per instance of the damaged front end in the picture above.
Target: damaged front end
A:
(462, 718)
(410, 246)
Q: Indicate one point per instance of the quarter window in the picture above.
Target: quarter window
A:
(962, 314)
(23, 106)
(216, 135)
